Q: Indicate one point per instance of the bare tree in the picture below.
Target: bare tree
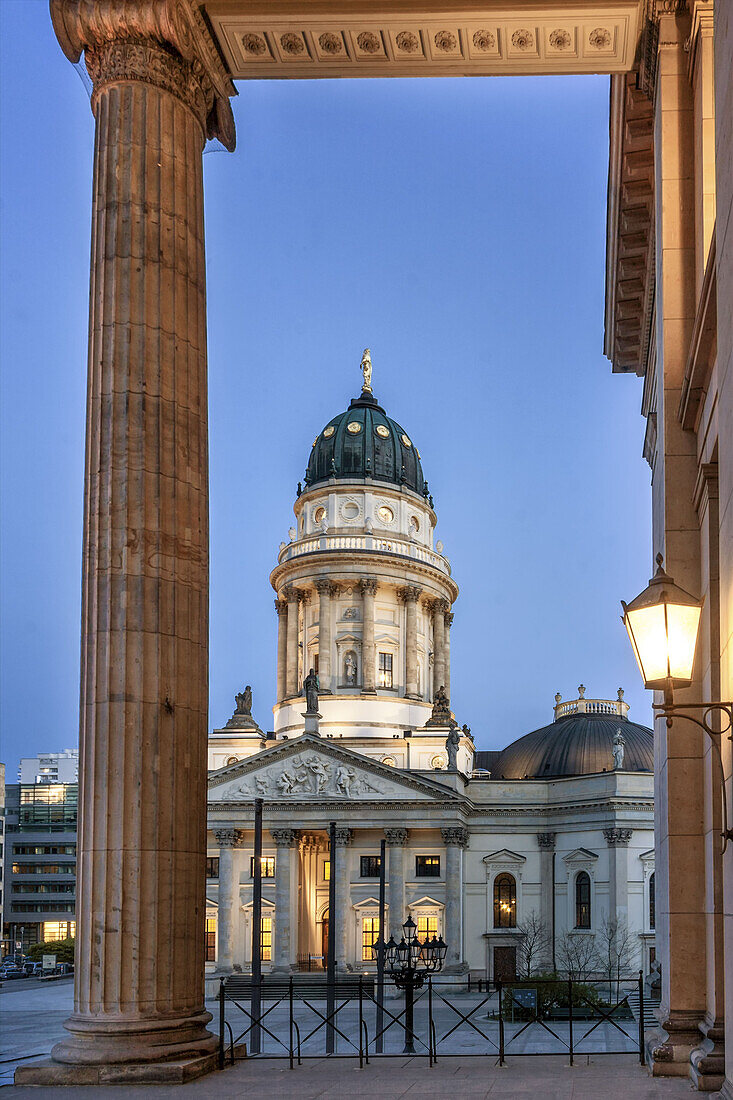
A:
(577, 955)
(533, 947)
(617, 952)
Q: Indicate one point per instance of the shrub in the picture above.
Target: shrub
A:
(62, 949)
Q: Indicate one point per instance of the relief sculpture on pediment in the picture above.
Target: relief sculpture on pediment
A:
(309, 776)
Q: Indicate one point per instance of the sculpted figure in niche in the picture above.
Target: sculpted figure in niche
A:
(344, 781)
(350, 668)
(310, 686)
(619, 747)
(244, 701)
(452, 742)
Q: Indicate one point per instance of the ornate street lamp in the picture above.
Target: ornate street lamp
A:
(663, 623)
(409, 962)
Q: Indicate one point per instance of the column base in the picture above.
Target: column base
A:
(670, 1056)
(368, 691)
(116, 1041)
(707, 1063)
(176, 1072)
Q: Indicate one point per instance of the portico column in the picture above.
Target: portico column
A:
(455, 838)
(448, 621)
(292, 595)
(409, 596)
(439, 609)
(546, 842)
(228, 899)
(368, 587)
(159, 91)
(396, 842)
(284, 840)
(618, 873)
(325, 589)
(281, 606)
(343, 894)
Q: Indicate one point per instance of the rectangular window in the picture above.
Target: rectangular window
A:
(369, 935)
(212, 866)
(327, 870)
(58, 930)
(268, 866)
(370, 866)
(385, 670)
(427, 927)
(427, 866)
(266, 939)
(211, 939)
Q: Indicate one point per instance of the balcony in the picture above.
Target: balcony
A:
(375, 544)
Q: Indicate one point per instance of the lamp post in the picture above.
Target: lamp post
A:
(663, 623)
(409, 962)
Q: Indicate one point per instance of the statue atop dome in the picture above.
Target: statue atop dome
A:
(366, 370)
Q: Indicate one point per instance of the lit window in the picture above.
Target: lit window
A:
(327, 870)
(582, 900)
(268, 866)
(266, 939)
(385, 670)
(370, 866)
(427, 927)
(505, 901)
(652, 902)
(427, 866)
(369, 936)
(58, 930)
(211, 939)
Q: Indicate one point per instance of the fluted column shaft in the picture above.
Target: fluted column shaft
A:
(326, 589)
(448, 621)
(368, 587)
(546, 843)
(439, 609)
(285, 841)
(455, 839)
(618, 873)
(291, 677)
(410, 595)
(281, 606)
(343, 894)
(228, 898)
(396, 842)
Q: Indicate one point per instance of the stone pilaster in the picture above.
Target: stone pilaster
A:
(396, 842)
(546, 844)
(281, 606)
(228, 898)
(284, 840)
(455, 838)
(618, 873)
(325, 589)
(409, 595)
(448, 620)
(439, 609)
(159, 90)
(292, 687)
(368, 586)
(343, 894)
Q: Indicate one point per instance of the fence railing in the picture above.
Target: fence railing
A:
(301, 1016)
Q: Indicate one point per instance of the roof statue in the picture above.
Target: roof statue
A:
(242, 717)
(619, 746)
(366, 369)
(310, 689)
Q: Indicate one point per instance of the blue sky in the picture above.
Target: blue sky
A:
(457, 227)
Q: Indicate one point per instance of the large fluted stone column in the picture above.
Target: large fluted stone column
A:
(439, 609)
(285, 842)
(292, 595)
(228, 898)
(326, 589)
(448, 621)
(281, 606)
(158, 91)
(343, 894)
(546, 843)
(455, 838)
(409, 596)
(368, 587)
(618, 873)
(396, 842)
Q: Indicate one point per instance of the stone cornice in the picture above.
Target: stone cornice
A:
(164, 43)
(350, 563)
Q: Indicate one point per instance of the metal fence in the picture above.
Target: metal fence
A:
(302, 1017)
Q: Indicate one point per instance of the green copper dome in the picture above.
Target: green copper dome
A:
(363, 442)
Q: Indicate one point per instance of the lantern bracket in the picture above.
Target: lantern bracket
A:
(724, 710)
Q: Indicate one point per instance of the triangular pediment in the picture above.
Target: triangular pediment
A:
(580, 855)
(310, 768)
(505, 855)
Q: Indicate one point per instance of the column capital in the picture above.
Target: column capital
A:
(165, 43)
(448, 618)
(546, 841)
(455, 835)
(284, 838)
(368, 586)
(396, 838)
(617, 837)
(229, 838)
(409, 593)
(324, 586)
(344, 836)
(281, 606)
(292, 594)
